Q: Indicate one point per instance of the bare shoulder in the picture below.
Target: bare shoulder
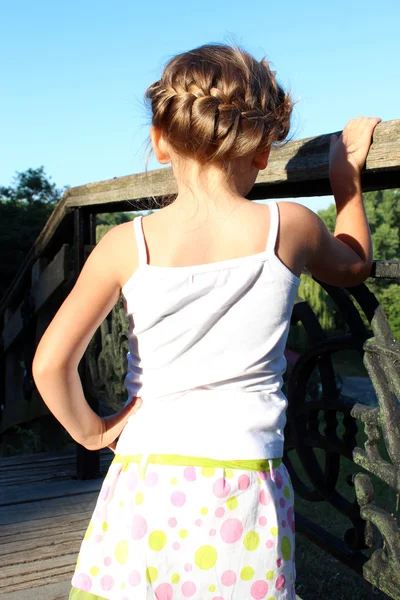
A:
(118, 249)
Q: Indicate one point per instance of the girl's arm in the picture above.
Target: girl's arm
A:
(344, 258)
(55, 365)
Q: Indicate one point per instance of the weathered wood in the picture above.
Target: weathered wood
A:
(297, 169)
(51, 278)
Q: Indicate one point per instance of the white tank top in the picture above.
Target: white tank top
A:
(206, 355)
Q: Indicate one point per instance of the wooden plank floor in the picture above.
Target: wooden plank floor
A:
(44, 514)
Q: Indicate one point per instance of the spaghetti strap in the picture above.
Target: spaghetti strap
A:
(273, 227)
(141, 244)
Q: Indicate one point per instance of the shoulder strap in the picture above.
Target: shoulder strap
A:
(141, 245)
(273, 227)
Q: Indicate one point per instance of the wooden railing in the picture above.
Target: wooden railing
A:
(297, 169)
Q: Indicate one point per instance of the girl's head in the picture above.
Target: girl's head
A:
(217, 103)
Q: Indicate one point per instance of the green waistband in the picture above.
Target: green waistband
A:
(198, 461)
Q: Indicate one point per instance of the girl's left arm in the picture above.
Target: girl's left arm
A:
(55, 365)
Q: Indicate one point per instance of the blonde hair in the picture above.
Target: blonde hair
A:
(217, 103)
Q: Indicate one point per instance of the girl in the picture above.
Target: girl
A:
(197, 502)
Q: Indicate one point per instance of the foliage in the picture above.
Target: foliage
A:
(32, 186)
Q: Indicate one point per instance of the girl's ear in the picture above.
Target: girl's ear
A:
(160, 148)
(261, 159)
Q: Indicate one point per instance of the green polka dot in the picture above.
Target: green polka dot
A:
(123, 585)
(286, 492)
(276, 503)
(78, 562)
(174, 481)
(104, 526)
(175, 578)
(157, 540)
(121, 503)
(271, 598)
(183, 533)
(121, 551)
(204, 510)
(151, 574)
(232, 503)
(269, 575)
(205, 557)
(229, 474)
(212, 588)
(251, 540)
(94, 571)
(139, 498)
(286, 548)
(246, 573)
(208, 471)
(276, 462)
(274, 531)
(125, 467)
(89, 531)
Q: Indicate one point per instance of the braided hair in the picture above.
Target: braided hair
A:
(217, 103)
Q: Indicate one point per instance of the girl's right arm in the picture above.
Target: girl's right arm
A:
(344, 258)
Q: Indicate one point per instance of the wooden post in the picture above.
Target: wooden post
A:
(87, 461)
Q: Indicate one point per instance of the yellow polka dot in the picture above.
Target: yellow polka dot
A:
(286, 548)
(271, 598)
(123, 585)
(232, 503)
(104, 526)
(125, 467)
(205, 557)
(121, 503)
(151, 574)
(274, 531)
(208, 471)
(78, 562)
(89, 531)
(246, 573)
(229, 474)
(94, 571)
(121, 551)
(286, 491)
(204, 510)
(259, 479)
(139, 498)
(157, 540)
(212, 588)
(174, 481)
(251, 540)
(183, 533)
(269, 575)
(175, 578)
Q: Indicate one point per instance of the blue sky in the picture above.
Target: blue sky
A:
(73, 74)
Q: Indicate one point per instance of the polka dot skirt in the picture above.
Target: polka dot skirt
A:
(178, 532)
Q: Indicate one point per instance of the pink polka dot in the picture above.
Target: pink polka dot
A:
(221, 488)
(262, 521)
(228, 578)
(279, 562)
(198, 522)
(134, 578)
(212, 532)
(217, 598)
(172, 522)
(164, 591)
(290, 518)
(280, 582)
(283, 523)
(138, 527)
(259, 589)
(106, 583)
(278, 480)
(176, 545)
(82, 581)
(151, 479)
(243, 482)
(269, 544)
(190, 474)
(264, 498)
(188, 589)
(220, 512)
(105, 491)
(262, 475)
(108, 561)
(231, 531)
(282, 502)
(97, 514)
(131, 481)
(178, 499)
(98, 538)
(188, 567)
